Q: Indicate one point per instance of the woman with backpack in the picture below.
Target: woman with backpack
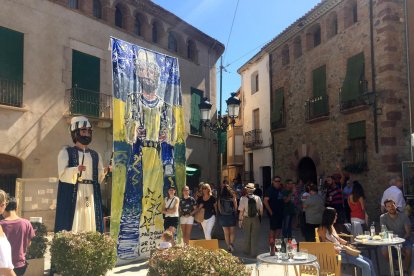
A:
(251, 209)
(227, 208)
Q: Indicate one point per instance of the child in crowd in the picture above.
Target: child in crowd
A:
(167, 239)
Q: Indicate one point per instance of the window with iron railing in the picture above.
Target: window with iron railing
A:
(351, 93)
(88, 103)
(253, 138)
(317, 107)
(356, 154)
(11, 67)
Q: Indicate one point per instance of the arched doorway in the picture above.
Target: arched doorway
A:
(10, 169)
(307, 170)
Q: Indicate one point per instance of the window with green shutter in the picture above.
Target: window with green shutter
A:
(277, 109)
(356, 153)
(195, 121)
(11, 67)
(352, 87)
(85, 84)
(319, 103)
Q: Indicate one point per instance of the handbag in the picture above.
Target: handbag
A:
(350, 250)
(169, 205)
(199, 215)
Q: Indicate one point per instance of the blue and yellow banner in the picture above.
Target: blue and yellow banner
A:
(149, 149)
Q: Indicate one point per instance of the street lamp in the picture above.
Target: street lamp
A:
(220, 125)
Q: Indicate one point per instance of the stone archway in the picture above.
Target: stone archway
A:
(306, 170)
(10, 169)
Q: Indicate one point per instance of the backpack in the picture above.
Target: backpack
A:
(251, 207)
(227, 207)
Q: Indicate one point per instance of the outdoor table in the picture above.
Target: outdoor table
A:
(395, 242)
(311, 260)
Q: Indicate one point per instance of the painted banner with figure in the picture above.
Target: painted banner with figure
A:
(149, 149)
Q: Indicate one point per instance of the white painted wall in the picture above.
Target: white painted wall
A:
(259, 100)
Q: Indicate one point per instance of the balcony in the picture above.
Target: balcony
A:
(88, 103)
(253, 138)
(355, 159)
(317, 107)
(11, 93)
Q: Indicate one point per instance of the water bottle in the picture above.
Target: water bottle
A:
(294, 246)
(372, 229)
(272, 245)
(384, 231)
(283, 247)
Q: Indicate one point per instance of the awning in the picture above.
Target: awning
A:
(190, 171)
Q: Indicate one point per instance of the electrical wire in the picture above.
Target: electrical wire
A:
(231, 28)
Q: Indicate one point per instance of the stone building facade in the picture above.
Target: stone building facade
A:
(47, 45)
(339, 94)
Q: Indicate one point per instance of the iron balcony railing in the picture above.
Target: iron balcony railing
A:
(253, 138)
(90, 103)
(317, 107)
(356, 159)
(11, 92)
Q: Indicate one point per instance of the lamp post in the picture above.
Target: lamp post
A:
(221, 124)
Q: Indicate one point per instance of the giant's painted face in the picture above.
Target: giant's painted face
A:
(148, 72)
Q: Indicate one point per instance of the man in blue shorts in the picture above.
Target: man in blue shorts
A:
(400, 224)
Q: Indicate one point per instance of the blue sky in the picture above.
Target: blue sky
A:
(256, 22)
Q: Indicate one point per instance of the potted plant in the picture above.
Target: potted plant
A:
(189, 260)
(85, 253)
(35, 254)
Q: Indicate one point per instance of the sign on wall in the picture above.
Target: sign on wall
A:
(149, 149)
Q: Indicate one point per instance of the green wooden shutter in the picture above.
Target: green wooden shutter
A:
(85, 84)
(356, 130)
(351, 88)
(319, 90)
(277, 106)
(11, 67)
(196, 96)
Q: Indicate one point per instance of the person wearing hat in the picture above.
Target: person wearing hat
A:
(170, 210)
(251, 208)
(80, 169)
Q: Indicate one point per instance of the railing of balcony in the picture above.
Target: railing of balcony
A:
(352, 103)
(317, 107)
(356, 159)
(90, 103)
(253, 138)
(11, 92)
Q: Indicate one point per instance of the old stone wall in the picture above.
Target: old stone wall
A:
(326, 139)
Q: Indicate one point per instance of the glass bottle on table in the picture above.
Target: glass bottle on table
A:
(283, 247)
(372, 229)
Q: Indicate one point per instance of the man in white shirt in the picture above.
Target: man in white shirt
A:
(394, 192)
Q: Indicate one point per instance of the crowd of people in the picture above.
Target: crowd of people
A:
(324, 206)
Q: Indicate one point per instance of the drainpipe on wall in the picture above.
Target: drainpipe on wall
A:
(272, 146)
(407, 47)
(374, 91)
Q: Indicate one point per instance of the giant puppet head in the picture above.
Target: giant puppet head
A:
(81, 130)
(148, 72)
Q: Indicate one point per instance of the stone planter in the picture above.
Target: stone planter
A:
(36, 267)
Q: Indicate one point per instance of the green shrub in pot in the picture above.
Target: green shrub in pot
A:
(86, 253)
(38, 243)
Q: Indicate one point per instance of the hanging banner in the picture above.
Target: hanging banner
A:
(149, 149)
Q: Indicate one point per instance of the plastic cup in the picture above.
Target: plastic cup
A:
(304, 253)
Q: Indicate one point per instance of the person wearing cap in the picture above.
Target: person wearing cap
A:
(80, 170)
(250, 222)
(170, 210)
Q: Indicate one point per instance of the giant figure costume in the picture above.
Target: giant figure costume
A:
(79, 201)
